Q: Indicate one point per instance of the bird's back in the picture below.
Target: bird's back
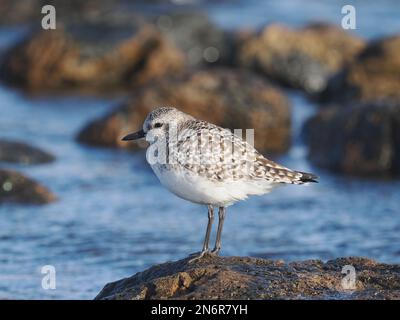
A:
(217, 154)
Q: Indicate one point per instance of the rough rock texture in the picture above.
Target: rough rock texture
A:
(374, 74)
(15, 187)
(304, 58)
(360, 139)
(232, 99)
(91, 56)
(252, 278)
(18, 152)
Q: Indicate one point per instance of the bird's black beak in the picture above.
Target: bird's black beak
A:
(134, 136)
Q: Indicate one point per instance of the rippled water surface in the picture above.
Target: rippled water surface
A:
(114, 218)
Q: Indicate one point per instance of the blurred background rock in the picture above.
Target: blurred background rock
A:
(319, 97)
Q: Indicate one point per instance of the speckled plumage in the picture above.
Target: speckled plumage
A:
(224, 156)
(204, 149)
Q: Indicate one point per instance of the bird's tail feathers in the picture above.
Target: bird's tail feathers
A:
(305, 177)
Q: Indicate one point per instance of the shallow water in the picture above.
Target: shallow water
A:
(114, 218)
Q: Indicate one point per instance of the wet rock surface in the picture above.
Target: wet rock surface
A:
(114, 50)
(374, 74)
(359, 138)
(18, 152)
(91, 56)
(231, 99)
(254, 278)
(302, 58)
(15, 187)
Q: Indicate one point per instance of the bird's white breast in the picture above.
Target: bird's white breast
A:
(198, 189)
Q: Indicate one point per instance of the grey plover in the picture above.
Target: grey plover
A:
(207, 164)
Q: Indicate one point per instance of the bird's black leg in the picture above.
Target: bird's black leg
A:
(221, 214)
(208, 232)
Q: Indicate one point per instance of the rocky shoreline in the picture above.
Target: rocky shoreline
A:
(183, 59)
(255, 278)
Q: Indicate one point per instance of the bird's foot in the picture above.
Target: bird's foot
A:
(202, 254)
(215, 251)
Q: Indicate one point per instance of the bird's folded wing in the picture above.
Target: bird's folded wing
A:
(219, 155)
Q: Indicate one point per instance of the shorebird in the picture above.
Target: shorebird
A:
(209, 165)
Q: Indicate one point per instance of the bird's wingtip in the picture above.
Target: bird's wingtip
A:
(308, 177)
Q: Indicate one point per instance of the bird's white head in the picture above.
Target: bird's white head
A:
(158, 122)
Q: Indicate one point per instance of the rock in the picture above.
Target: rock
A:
(15, 187)
(304, 58)
(253, 278)
(232, 99)
(201, 40)
(92, 57)
(373, 75)
(29, 11)
(18, 152)
(361, 139)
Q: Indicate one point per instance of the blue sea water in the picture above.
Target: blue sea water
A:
(113, 218)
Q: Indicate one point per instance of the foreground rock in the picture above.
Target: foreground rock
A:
(361, 139)
(18, 152)
(15, 187)
(235, 100)
(373, 75)
(91, 57)
(304, 58)
(252, 278)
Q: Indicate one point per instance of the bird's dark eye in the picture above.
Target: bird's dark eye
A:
(158, 125)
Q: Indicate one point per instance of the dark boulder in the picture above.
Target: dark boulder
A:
(15, 187)
(358, 138)
(18, 152)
